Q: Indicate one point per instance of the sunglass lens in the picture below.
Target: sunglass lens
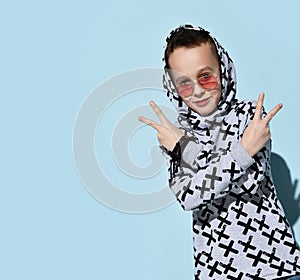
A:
(209, 82)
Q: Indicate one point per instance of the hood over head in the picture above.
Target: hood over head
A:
(228, 81)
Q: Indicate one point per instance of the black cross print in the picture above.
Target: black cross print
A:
(209, 237)
(215, 157)
(260, 206)
(186, 191)
(228, 267)
(247, 226)
(220, 207)
(207, 142)
(272, 256)
(238, 198)
(269, 180)
(271, 237)
(196, 127)
(248, 189)
(224, 73)
(284, 233)
(204, 154)
(208, 256)
(228, 248)
(197, 275)
(207, 212)
(204, 223)
(212, 197)
(294, 264)
(214, 122)
(232, 171)
(257, 158)
(178, 99)
(221, 233)
(230, 87)
(264, 152)
(240, 110)
(237, 125)
(226, 132)
(195, 124)
(223, 221)
(229, 145)
(213, 178)
(280, 217)
(292, 245)
(239, 212)
(213, 269)
(256, 276)
(197, 260)
(195, 230)
(251, 110)
(247, 245)
(223, 151)
(203, 189)
(280, 268)
(262, 223)
(257, 258)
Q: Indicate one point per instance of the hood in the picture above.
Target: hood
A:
(228, 80)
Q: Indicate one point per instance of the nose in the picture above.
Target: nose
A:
(198, 90)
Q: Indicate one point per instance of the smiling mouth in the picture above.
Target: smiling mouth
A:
(202, 102)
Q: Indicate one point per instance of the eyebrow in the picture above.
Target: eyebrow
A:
(200, 71)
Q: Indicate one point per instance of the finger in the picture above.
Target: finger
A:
(149, 122)
(159, 113)
(259, 106)
(272, 113)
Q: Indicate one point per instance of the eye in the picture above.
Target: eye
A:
(205, 76)
(208, 81)
(185, 83)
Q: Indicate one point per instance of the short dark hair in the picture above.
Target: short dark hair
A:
(188, 38)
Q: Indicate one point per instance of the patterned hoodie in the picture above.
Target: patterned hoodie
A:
(239, 227)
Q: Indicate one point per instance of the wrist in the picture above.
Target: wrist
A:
(248, 149)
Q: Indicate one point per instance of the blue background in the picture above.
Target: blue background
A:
(53, 54)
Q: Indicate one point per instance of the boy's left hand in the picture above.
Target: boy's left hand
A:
(258, 132)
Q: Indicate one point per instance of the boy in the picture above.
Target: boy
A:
(219, 164)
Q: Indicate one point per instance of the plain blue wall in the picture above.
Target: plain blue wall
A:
(53, 54)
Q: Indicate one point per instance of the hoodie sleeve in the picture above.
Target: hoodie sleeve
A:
(196, 186)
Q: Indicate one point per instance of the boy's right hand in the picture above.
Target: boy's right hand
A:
(168, 134)
(258, 132)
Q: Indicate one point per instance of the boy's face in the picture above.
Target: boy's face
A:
(196, 75)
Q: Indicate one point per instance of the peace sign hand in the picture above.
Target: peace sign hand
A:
(168, 134)
(258, 132)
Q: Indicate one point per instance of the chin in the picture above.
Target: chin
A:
(205, 111)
